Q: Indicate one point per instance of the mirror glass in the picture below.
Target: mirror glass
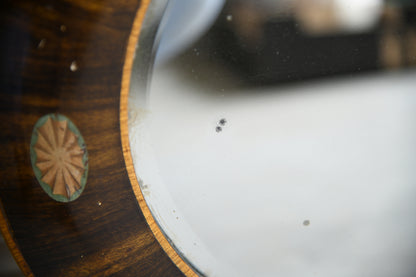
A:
(278, 138)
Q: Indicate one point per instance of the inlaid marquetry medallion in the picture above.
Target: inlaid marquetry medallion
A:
(59, 157)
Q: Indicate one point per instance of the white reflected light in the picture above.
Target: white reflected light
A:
(358, 15)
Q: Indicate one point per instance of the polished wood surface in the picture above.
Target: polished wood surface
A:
(67, 57)
(125, 89)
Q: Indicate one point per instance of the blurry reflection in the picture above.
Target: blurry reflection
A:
(269, 41)
(281, 141)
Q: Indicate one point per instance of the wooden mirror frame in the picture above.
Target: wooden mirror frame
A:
(74, 57)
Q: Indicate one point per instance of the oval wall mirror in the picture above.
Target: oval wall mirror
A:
(280, 141)
(224, 138)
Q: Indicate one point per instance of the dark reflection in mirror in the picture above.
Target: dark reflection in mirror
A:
(274, 42)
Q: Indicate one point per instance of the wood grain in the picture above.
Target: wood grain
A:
(68, 57)
(125, 88)
(11, 243)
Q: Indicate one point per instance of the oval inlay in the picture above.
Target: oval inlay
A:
(59, 157)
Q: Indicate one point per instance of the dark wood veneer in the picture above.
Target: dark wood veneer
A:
(103, 232)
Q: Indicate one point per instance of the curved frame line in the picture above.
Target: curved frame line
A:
(11, 243)
(125, 88)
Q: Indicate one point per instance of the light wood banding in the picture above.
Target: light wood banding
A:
(125, 88)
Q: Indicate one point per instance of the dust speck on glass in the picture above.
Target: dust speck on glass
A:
(296, 122)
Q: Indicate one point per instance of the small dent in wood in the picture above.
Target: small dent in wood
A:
(62, 28)
(42, 43)
(74, 66)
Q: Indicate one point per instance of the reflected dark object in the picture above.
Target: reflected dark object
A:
(287, 54)
(274, 49)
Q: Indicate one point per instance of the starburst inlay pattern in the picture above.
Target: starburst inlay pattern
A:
(60, 159)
